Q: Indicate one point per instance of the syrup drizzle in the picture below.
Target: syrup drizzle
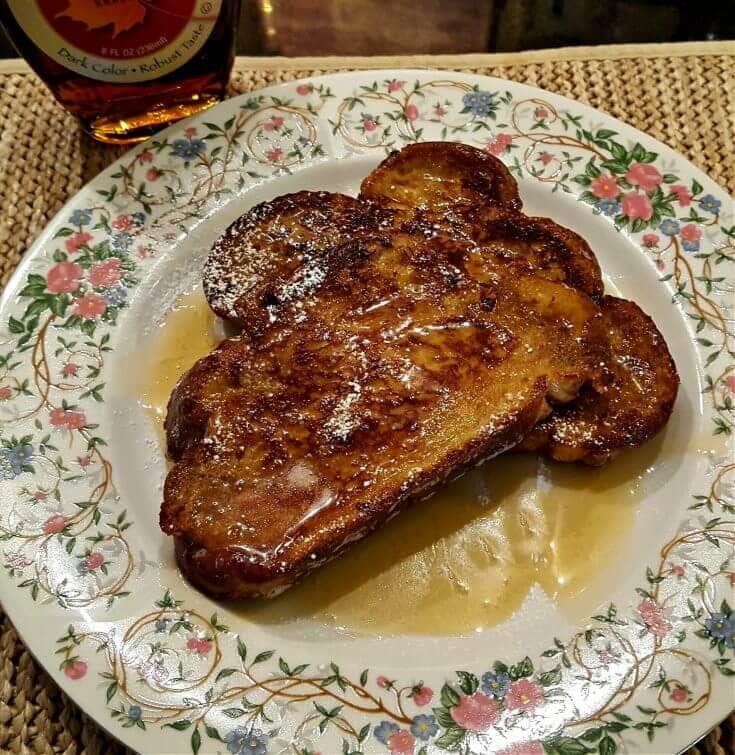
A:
(464, 560)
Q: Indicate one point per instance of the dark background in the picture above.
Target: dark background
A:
(365, 27)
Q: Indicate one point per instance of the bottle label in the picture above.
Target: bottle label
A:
(118, 40)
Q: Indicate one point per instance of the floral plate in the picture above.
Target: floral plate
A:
(91, 583)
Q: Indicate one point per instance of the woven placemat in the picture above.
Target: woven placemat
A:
(682, 94)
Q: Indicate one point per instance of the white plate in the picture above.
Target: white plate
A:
(92, 584)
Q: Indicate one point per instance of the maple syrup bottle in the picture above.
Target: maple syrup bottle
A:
(126, 68)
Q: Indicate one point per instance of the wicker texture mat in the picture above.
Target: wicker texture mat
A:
(683, 95)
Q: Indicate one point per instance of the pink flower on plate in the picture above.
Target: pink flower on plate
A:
(691, 232)
(499, 144)
(191, 132)
(540, 113)
(57, 416)
(54, 524)
(72, 420)
(605, 187)
(6, 393)
(152, 174)
(422, 696)
(439, 111)
(90, 307)
(369, 124)
(274, 123)
(105, 274)
(84, 461)
(146, 156)
(660, 265)
(732, 575)
(274, 155)
(525, 694)
(637, 206)
(382, 682)
(412, 112)
(524, 748)
(650, 240)
(395, 85)
(143, 251)
(75, 420)
(76, 240)
(730, 383)
(476, 712)
(679, 695)
(201, 647)
(122, 223)
(678, 571)
(653, 617)
(303, 89)
(644, 175)
(401, 743)
(94, 560)
(63, 278)
(683, 195)
(40, 495)
(70, 369)
(546, 157)
(75, 670)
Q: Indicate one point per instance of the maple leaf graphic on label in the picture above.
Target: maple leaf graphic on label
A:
(123, 14)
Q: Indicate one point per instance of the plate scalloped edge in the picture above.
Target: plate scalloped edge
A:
(654, 673)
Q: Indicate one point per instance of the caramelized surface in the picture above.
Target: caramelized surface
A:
(389, 342)
(409, 360)
(438, 176)
(634, 403)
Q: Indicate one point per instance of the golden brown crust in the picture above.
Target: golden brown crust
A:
(437, 175)
(283, 247)
(229, 571)
(389, 342)
(337, 407)
(538, 245)
(633, 404)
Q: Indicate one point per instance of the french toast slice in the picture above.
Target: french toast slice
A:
(438, 176)
(462, 191)
(277, 249)
(407, 363)
(632, 403)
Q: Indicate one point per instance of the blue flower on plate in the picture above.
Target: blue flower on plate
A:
(385, 730)
(690, 246)
(161, 625)
(18, 456)
(721, 627)
(495, 685)
(13, 459)
(116, 297)
(669, 227)
(424, 726)
(138, 218)
(242, 741)
(479, 103)
(135, 713)
(188, 149)
(709, 204)
(122, 242)
(81, 217)
(609, 207)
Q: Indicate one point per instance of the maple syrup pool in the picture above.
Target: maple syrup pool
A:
(462, 561)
